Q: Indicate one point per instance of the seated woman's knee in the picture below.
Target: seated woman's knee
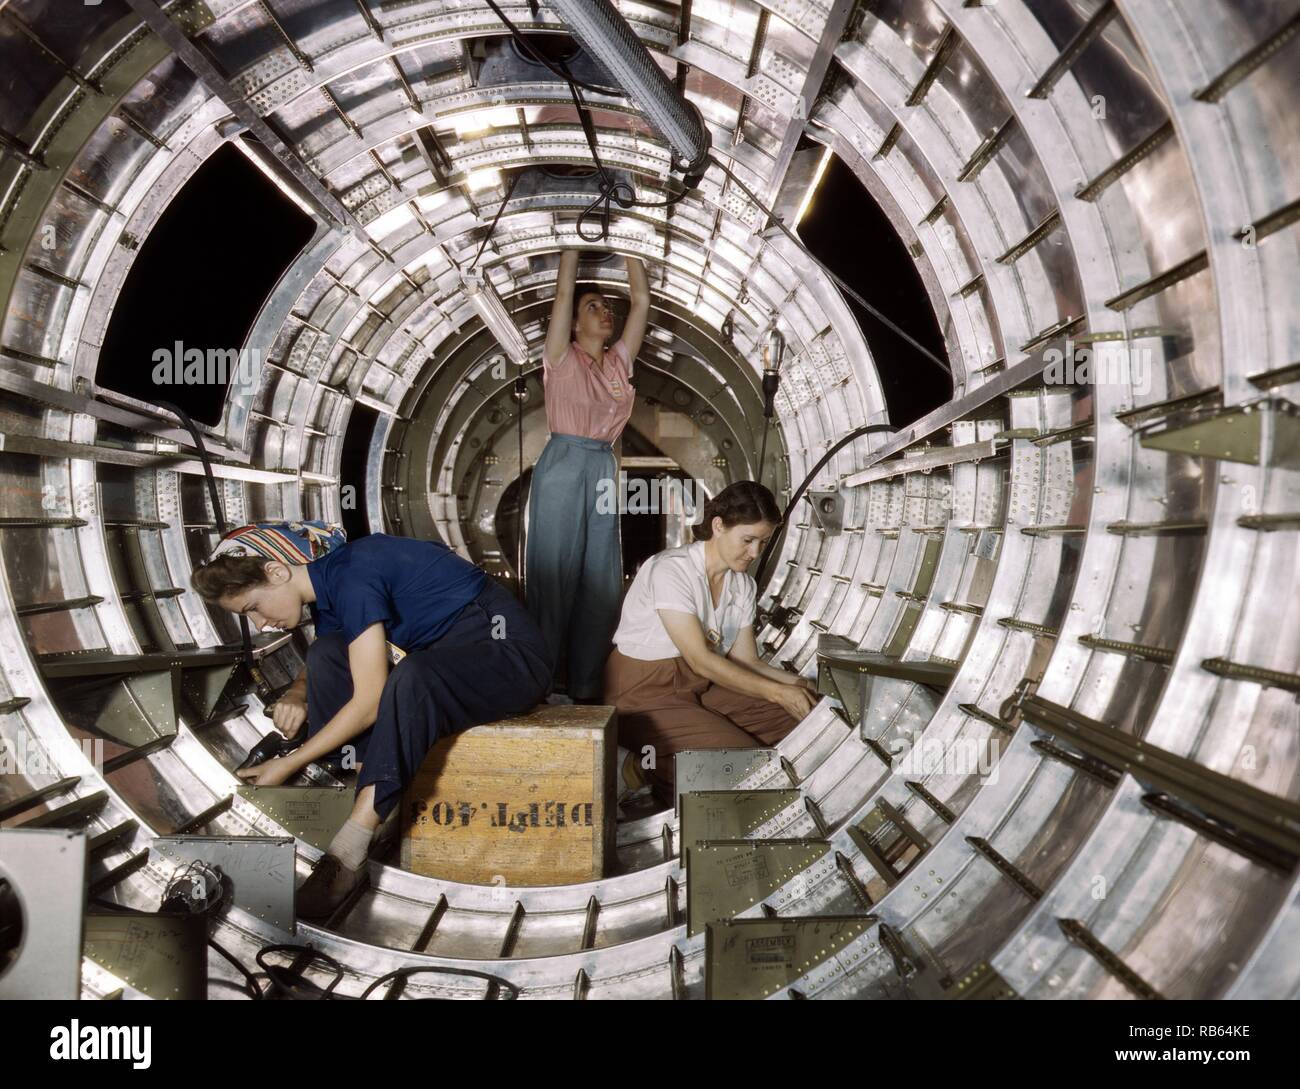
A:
(407, 681)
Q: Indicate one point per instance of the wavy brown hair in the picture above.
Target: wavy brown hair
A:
(743, 503)
(227, 575)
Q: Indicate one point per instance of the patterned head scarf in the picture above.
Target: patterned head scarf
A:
(293, 543)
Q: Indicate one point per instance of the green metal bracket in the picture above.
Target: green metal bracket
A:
(981, 983)
(202, 687)
(755, 958)
(729, 814)
(844, 685)
(157, 695)
(835, 651)
(1261, 818)
(879, 834)
(911, 615)
(1265, 432)
(731, 876)
(313, 814)
(162, 956)
(132, 710)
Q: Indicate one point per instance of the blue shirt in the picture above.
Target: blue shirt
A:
(415, 588)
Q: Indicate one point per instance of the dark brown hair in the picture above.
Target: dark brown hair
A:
(743, 503)
(581, 291)
(227, 575)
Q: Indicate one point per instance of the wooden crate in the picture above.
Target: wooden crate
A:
(524, 801)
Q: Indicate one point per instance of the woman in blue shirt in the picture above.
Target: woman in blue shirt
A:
(412, 643)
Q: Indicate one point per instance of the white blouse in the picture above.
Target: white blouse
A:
(676, 579)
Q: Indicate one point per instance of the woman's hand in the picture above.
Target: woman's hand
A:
(796, 699)
(290, 712)
(272, 773)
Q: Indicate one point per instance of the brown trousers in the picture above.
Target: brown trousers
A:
(667, 705)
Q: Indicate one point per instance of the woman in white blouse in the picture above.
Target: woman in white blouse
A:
(685, 672)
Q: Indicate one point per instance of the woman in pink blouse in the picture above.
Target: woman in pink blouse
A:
(574, 562)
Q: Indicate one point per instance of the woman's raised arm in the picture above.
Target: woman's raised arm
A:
(639, 312)
(560, 331)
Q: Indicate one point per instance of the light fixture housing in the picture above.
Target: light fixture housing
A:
(606, 35)
(775, 350)
(488, 305)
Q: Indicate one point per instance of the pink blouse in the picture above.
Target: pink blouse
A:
(584, 399)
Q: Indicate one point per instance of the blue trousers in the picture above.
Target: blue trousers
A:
(490, 663)
(574, 564)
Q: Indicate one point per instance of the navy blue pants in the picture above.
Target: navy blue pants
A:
(492, 662)
(574, 564)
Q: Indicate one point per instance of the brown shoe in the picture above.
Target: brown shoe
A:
(328, 885)
(631, 779)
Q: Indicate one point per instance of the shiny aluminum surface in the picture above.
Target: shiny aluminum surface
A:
(1135, 196)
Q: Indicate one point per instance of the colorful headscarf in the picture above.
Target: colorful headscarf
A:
(293, 543)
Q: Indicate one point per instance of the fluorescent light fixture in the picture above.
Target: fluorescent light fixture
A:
(812, 189)
(256, 159)
(488, 305)
(601, 29)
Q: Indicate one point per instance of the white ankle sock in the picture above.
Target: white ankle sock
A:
(350, 844)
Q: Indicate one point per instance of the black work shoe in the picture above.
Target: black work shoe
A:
(328, 885)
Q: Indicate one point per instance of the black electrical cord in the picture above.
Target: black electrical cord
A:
(771, 387)
(492, 230)
(201, 447)
(612, 191)
(406, 973)
(288, 981)
(779, 536)
(520, 388)
(762, 458)
(251, 987)
(292, 982)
